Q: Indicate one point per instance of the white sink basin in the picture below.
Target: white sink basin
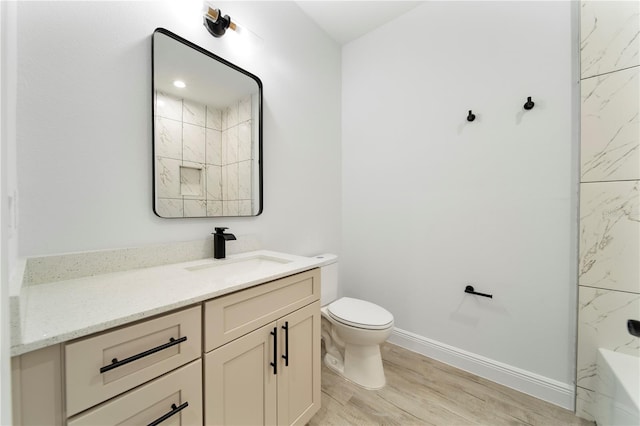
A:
(257, 263)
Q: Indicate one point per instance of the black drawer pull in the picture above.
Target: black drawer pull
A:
(115, 363)
(174, 410)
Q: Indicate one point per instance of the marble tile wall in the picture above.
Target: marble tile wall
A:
(609, 246)
(203, 158)
(608, 36)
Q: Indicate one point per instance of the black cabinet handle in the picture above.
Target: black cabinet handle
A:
(285, 327)
(274, 364)
(115, 363)
(174, 410)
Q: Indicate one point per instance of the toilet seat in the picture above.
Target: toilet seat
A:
(360, 313)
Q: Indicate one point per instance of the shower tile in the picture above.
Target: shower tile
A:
(244, 109)
(214, 208)
(609, 36)
(167, 177)
(214, 118)
(230, 208)
(213, 147)
(169, 207)
(610, 235)
(193, 113)
(232, 145)
(244, 180)
(224, 183)
(195, 208)
(193, 143)
(232, 116)
(602, 323)
(168, 140)
(610, 143)
(192, 180)
(244, 141)
(231, 182)
(244, 208)
(214, 183)
(224, 136)
(585, 400)
(168, 106)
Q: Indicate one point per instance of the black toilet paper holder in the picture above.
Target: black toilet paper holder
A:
(469, 289)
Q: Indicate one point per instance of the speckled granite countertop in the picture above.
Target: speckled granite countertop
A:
(60, 311)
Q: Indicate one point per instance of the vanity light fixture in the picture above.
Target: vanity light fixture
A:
(179, 84)
(216, 23)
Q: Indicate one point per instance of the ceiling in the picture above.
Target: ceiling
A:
(345, 21)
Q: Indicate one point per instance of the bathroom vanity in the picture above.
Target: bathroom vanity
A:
(233, 341)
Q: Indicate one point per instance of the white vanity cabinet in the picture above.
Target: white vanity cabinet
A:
(247, 357)
(270, 374)
(130, 375)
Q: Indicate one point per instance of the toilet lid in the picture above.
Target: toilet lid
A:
(360, 313)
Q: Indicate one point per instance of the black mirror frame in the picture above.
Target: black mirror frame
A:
(153, 124)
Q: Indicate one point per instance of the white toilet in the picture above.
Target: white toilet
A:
(352, 331)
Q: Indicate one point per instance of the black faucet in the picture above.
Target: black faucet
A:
(219, 239)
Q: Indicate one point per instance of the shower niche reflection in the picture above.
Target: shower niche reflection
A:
(207, 137)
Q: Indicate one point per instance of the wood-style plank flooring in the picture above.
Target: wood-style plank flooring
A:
(422, 391)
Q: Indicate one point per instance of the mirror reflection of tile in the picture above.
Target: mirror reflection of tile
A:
(191, 182)
(204, 158)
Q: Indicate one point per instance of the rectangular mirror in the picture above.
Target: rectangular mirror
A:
(207, 133)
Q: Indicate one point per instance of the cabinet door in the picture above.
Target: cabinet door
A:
(299, 381)
(240, 384)
(173, 399)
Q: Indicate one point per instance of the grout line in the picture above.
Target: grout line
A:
(611, 181)
(609, 72)
(609, 289)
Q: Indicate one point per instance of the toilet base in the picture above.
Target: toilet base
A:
(362, 365)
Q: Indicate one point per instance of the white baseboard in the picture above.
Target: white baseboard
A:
(541, 387)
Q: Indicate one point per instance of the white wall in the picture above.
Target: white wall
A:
(8, 233)
(429, 202)
(432, 203)
(84, 125)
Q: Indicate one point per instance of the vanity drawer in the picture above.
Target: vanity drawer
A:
(179, 392)
(229, 317)
(89, 384)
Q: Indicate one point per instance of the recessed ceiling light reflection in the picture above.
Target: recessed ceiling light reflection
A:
(180, 84)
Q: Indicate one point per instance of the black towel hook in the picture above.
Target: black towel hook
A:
(471, 116)
(529, 104)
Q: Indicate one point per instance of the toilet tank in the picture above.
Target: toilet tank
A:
(328, 278)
